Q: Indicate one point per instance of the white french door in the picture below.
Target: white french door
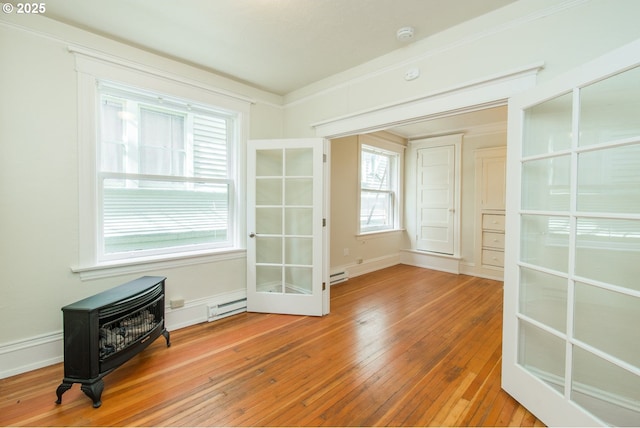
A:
(571, 349)
(286, 247)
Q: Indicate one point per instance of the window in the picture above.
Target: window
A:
(165, 178)
(379, 189)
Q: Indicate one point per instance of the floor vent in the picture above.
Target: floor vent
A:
(226, 309)
(338, 277)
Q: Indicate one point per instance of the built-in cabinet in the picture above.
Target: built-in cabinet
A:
(490, 167)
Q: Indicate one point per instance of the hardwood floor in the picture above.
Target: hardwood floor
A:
(403, 346)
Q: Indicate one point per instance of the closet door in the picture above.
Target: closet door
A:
(437, 196)
(572, 296)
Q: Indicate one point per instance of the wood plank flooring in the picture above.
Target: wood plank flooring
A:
(403, 346)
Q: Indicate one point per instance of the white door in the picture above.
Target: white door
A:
(436, 199)
(286, 251)
(571, 348)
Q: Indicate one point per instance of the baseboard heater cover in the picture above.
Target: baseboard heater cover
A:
(338, 277)
(216, 311)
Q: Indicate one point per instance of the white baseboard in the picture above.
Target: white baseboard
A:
(367, 266)
(41, 351)
(482, 271)
(30, 354)
(433, 261)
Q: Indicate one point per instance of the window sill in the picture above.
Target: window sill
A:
(378, 234)
(106, 270)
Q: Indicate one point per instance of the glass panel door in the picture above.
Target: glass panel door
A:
(285, 251)
(572, 296)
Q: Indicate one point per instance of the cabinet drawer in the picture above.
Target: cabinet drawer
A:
(493, 240)
(493, 258)
(493, 222)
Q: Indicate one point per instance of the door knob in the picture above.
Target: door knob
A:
(252, 235)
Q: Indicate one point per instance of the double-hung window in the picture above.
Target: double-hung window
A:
(164, 175)
(379, 189)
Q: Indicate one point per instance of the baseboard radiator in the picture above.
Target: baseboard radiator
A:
(225, 309)
(338, 277)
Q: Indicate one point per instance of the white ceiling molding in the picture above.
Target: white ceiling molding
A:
(103, 58)
(487, 92)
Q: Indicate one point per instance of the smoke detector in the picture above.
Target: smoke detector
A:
(405, 34)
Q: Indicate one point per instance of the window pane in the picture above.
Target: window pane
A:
(545, 184)
(210, 146)
(142, 215)
(543, 297)
(112, 135)
(609, 180)
(376, 210)
(608, 391)
(609, 109)
(545, 241)
(543, 355)
(161, 143)
(376, 171)
(548, 126)
(608, 321)
(608, 250)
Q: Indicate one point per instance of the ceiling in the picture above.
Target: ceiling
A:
(275, 45)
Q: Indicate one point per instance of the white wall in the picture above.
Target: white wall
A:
(39, 180)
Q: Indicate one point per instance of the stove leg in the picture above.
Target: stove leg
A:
(94, 391)
(64, 387)
(166, 335)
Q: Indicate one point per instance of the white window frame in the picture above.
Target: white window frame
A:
(93, 67)
(397, 196)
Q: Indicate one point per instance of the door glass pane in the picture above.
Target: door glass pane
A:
(607, 391)
(542, 354)
(609, 109)
(547, 126)
(298, 221)
(608, 250)
(608, 321)
(269, 279)
(609, 179)
(269, 191)
(545, 184)
(299, 162)
(543, 297)
(268, 249)
(299, 251)
(269, 220)
(299, 191)
(269, 163)
(545, 241)
(298, 280)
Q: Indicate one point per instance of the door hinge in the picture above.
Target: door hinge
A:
(324, 222)
(324, 286)
(324, 158)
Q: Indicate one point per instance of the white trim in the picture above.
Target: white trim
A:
(30, 354)
(369, 265)
(434, 261)
(490, 91)
(98, 57)
(148, 264)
